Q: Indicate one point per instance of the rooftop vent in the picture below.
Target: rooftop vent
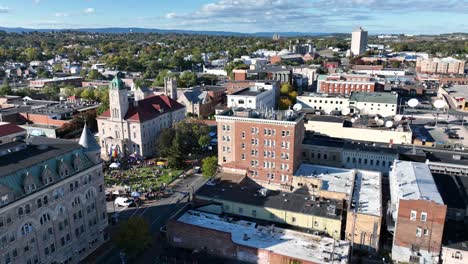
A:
(263, 192)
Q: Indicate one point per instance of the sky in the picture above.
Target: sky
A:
(328, 16)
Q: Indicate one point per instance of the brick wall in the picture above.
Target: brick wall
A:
(43, 119)
(220, 244)
(243, 147)
(405, 233)
(341, 88)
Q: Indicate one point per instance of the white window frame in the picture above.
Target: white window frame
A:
(413, 215)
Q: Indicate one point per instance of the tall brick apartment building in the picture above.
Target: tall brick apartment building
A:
(346, 84)
(264, 145)
(417, 213)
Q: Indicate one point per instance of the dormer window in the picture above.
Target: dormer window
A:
(4, 199)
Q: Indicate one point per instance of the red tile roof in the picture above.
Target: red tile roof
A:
(9, 128)
(148, 108)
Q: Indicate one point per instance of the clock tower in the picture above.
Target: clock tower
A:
(118, 98)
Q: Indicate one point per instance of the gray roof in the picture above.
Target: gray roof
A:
(376, 97)
(39, 149)
(87, 140)
(196, 96)
(247, 192)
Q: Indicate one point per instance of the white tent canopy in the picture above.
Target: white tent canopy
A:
(114, 165)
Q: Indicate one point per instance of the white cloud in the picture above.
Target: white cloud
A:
(60, 14)
(89, 10)
(251, 14)
(4, 10)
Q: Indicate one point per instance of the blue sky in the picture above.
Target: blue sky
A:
(377, 16)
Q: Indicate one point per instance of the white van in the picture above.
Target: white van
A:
(123, 201)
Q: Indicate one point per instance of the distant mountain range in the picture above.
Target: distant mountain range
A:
(116, 30)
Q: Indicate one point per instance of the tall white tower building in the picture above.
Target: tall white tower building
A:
(358, 41)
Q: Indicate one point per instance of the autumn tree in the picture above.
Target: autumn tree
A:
(209, 166)
(133, 236)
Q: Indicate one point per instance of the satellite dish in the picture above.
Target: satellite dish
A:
(389, 124)
(398, 118)
(439, 104)
(380, 122)
(353, 120)
(413, 102)
(376, 118)
(297, 107)
(345, 111)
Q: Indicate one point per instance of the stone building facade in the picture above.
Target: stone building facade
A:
(132, 128)
(52, 203)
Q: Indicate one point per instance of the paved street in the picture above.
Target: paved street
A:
(156, 213)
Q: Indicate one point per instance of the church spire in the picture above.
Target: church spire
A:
(87, 140)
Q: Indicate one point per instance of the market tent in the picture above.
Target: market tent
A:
(114, 165)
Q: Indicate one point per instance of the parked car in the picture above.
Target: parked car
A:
(123, 201)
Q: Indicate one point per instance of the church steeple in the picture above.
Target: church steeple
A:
(92, 148)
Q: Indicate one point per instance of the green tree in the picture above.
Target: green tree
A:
(95, 75)
(88, 94)
(285, 103)
(42, 73)
(51, 92)
(133, 236)
(204, 140)
(5, 89)
(209, 166)
(159, 80)
(102, 108)
(165, 141)
(285, 89)
(58, 67)
(83, 73)
(234, 66)
(188, 79)
(69, 91)
(141, 82)
(32, 54)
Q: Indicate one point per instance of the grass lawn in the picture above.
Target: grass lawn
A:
(143, 178)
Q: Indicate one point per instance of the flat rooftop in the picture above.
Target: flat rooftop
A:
(281, 241)
(375, 97)
(363, 122)
(248, 192)
(248, 92)
(367, 193)
(262, 114)
(458, 91)
(413, 181)
(333, 179)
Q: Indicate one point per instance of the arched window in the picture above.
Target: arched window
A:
(46, 200)
(39, 203)
(76, 201)
(26, 229)
(61, 210)
(20, 211)
(27, 208)
(44, 218)
(89, 194)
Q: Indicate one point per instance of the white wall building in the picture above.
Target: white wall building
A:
(358, 41)
(133, 128)
(383, 104)
(262, 94)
